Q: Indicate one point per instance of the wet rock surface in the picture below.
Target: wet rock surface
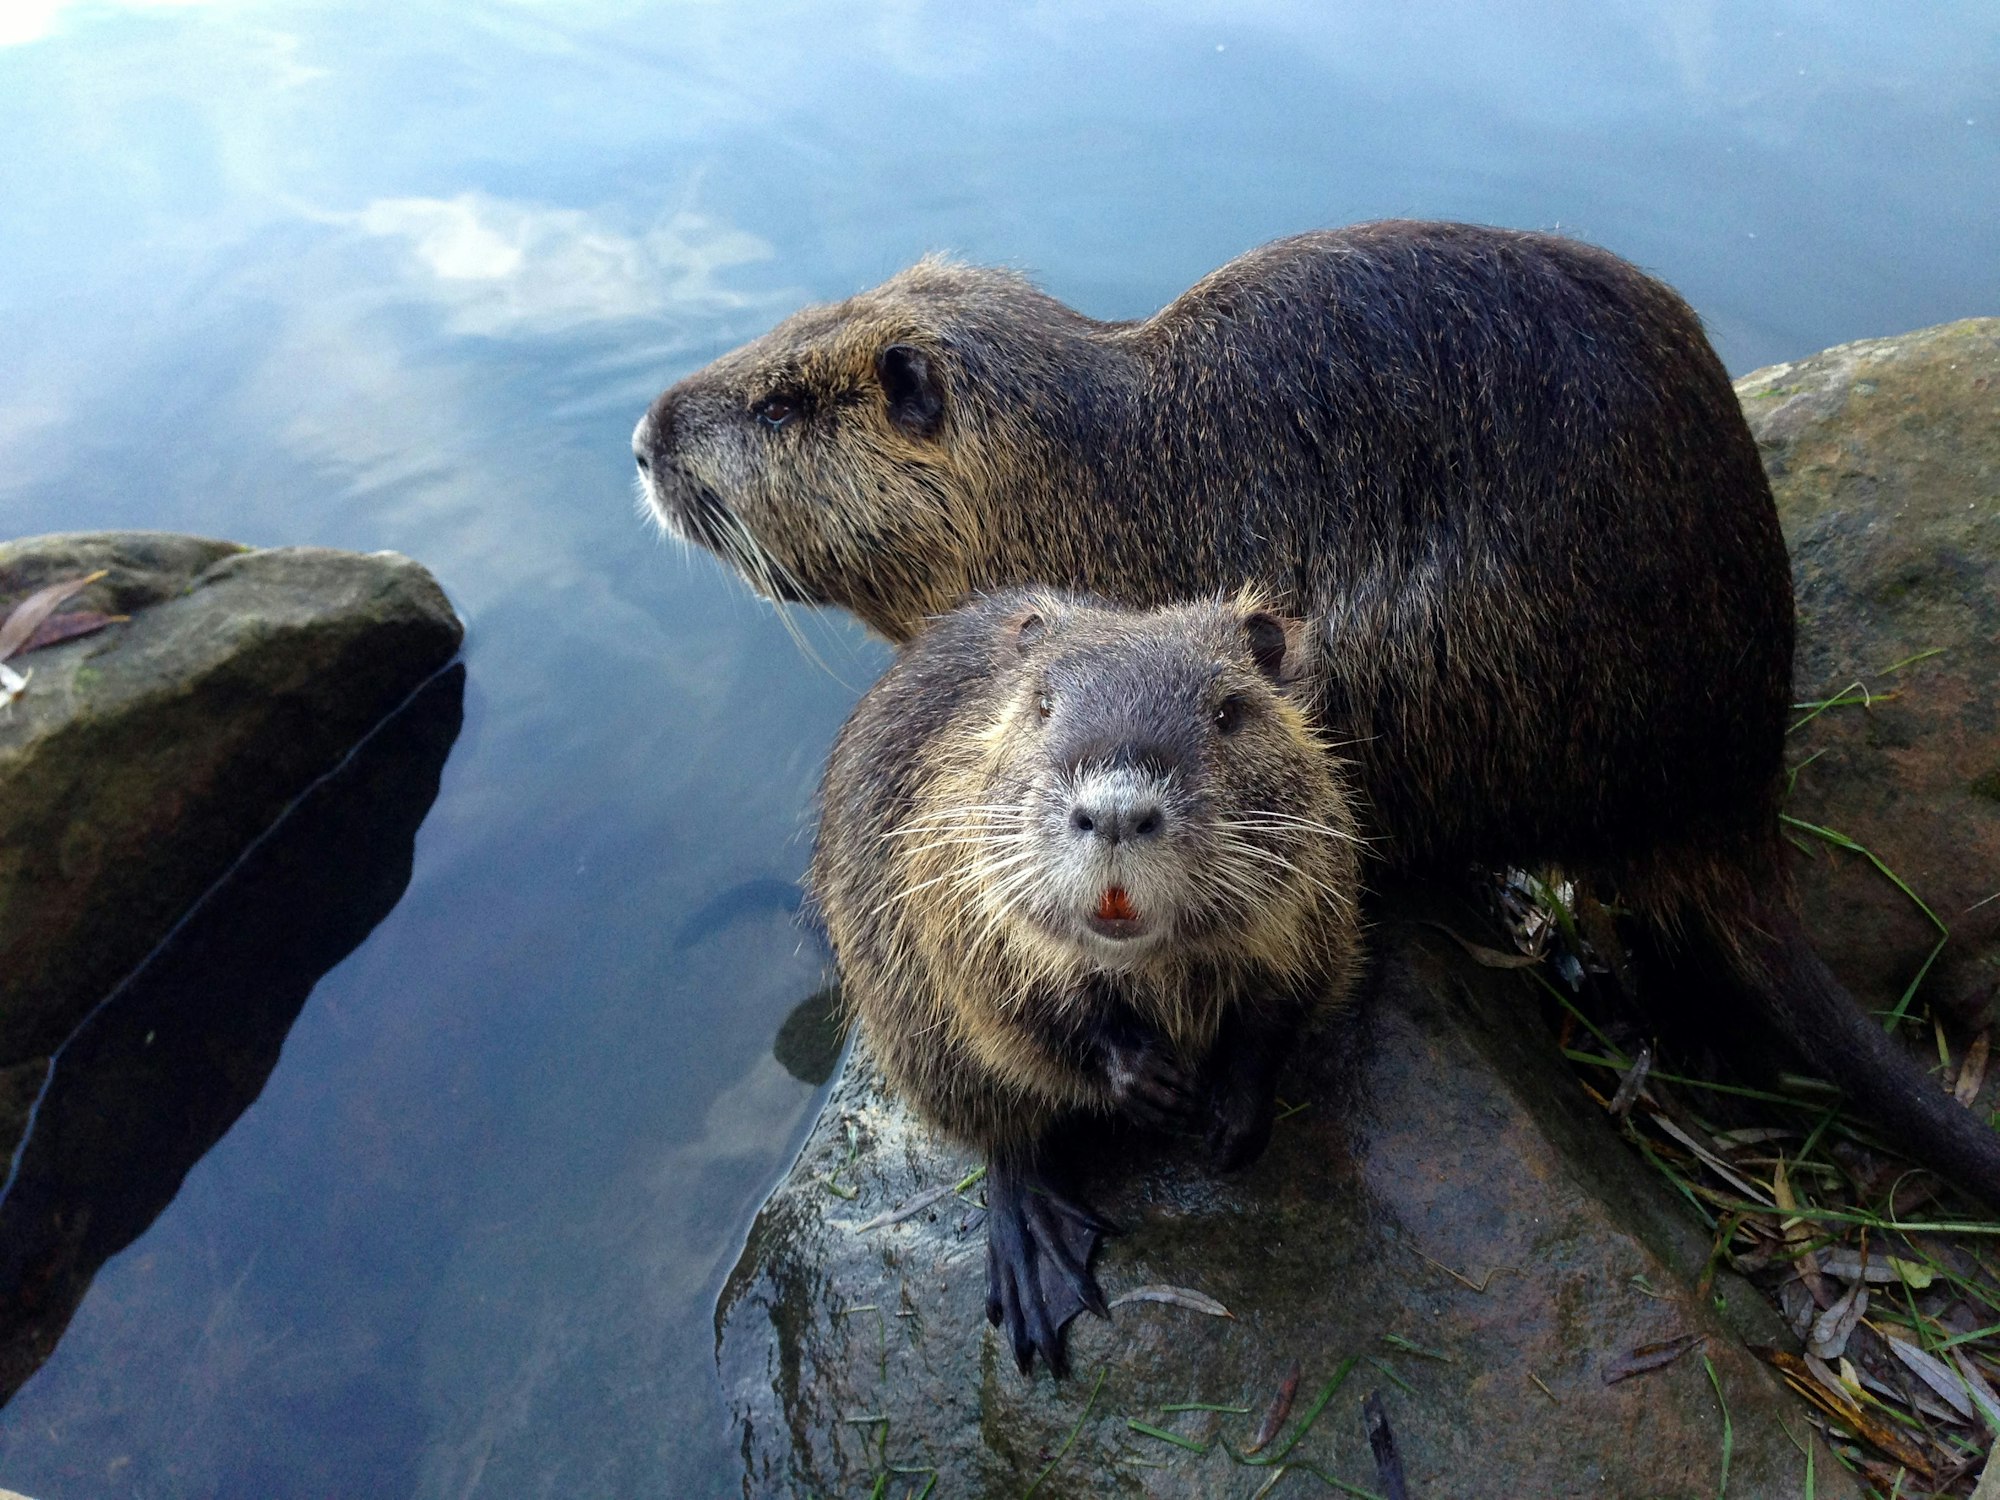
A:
(143, 760)
(1885, 458)
(1448, 1188)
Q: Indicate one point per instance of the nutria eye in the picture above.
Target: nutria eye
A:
(776, 410)
(1229, 715)
(1043, 706)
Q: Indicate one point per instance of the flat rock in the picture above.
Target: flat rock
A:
(1885, 457)
(144, 759)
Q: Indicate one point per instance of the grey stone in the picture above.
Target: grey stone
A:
(142, 760)
(1885, 457)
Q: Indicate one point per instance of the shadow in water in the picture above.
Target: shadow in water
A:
(810, 1041)
(160, 1073)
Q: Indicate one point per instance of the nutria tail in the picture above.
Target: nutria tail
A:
(1814, 1012)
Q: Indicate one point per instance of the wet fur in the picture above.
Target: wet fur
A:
(977, 1014)
(1503, 473)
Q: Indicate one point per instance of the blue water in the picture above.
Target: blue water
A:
(374, 275)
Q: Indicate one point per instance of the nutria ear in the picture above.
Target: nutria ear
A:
(1028, 628)
(915, 394)
(1277, 645)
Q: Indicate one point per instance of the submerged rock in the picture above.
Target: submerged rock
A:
(142, 760)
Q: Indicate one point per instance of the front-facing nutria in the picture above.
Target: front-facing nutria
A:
(1503, 474)
(1080, 862)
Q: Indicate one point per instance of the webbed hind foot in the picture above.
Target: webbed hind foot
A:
(1038, 1248)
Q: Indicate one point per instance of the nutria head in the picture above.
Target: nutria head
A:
(849, 455)
(1143, 788)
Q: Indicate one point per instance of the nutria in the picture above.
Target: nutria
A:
(1503, 473)
(1081, 862)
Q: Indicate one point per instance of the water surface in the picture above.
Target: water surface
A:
(373, 275)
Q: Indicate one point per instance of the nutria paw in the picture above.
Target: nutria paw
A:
(1148, 1084)
(1038, 1249)
(1240, 1115)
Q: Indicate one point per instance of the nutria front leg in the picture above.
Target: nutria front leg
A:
(1243, 1084)
(1039, 1242)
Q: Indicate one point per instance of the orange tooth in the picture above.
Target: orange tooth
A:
(1116, 906)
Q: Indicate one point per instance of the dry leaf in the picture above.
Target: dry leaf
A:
(905, 1210)
(1650, 1357)
(1279, 1409)
(1932, 1371)
(1831, 1329)
(1849, 1266)
(1492, 958)
(12, 683)
(1971, 1072)
(1799, 1236)
(1988, 1487)
(1982, 1394)
(1177, 1296)
(27, 616)
(1814, 1381)
(1715, 1163)
(1633, 1081)
(58, 628)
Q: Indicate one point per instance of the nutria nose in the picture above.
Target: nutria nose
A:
(656, 431)
(1117, 813)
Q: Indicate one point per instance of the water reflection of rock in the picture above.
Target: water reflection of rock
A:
(141, 1092)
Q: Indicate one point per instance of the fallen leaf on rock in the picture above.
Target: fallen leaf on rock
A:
(1177, 1296)
(1650, 1357)
(1279, 1409)
(910, 1208)
(1382, 1443)
(26, 617)
(68, 627)
(1972, 1072)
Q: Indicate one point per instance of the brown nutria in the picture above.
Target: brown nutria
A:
(1078, 861)
(1503, 473)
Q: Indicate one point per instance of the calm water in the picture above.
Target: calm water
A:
(360, 275)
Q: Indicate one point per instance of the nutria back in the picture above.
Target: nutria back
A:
(1504, 475)
(1503, 471)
